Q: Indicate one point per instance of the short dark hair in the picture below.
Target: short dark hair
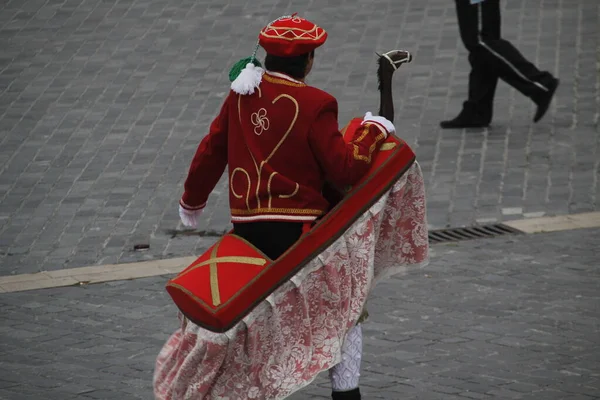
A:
(292, 66)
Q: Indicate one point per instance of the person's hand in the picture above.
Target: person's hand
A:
(189, 218)
(383, 122)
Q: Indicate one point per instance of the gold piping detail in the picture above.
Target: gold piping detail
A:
(269, 188)
(239, 196)
(259, 168)
(281, 196)
(214, 277)
(250, 245)
(287, 196)
(304, 34)
(240, 259)
(237, 211)
(287, 133)
(192, 295)
(365, 132)
(367, 159)
(253, 159)
(227, 259)
(280, 81)
(260, 121)
(387, 146)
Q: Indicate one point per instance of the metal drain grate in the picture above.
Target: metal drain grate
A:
(473, 232)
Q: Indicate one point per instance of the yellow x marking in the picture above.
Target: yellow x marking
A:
(214, 261)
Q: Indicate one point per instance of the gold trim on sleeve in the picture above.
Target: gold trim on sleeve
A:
(372, 148)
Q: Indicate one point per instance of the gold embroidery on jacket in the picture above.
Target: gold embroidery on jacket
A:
(269, 188)
(260, 121)
(281, 196)
(289, 196)
(239, 196)
(281, 81)
(296, 211)
(259, 167)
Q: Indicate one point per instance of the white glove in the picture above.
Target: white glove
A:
(384, 123)
(189, 217)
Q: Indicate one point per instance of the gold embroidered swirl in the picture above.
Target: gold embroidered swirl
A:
(239, 196)
(256, 119)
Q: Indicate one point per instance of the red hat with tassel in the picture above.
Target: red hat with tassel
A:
(287, 36)
(291, 36)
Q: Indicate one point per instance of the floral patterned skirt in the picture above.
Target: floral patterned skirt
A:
(298, 331)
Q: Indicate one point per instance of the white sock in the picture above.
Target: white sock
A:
(344, 376)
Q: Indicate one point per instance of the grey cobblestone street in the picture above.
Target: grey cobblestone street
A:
(506, 318)
(102, 106)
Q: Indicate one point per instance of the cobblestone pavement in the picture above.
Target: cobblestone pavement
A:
(102, 104)
(506, 318)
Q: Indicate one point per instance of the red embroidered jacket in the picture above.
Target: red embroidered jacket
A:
(281, 144)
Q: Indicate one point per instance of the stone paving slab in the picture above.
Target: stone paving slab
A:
(504, 318)
(102, 105)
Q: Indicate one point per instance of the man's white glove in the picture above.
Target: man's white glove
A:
(385, 124)
(189, 218)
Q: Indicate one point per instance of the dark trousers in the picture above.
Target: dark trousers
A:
(272, 238)
(492, 57)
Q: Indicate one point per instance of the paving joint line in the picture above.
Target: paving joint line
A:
(128, 271)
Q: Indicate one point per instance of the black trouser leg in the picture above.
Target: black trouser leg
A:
(350, 395)
(272, 238)
(504, 58)
(482, 79)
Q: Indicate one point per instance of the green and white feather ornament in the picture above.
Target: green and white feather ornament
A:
(246, 74)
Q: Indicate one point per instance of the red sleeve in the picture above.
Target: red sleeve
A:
(344, 163)
(208, 164)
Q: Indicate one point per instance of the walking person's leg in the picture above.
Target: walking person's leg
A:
(495, 58)
(478, 108)
(345, 375)
(510, 65)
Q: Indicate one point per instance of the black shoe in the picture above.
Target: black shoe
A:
(466, 120)
(349, 395)
(544, 103)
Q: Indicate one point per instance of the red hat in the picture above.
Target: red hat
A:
(291, 36)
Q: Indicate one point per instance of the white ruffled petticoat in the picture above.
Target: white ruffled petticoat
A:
(299, 330)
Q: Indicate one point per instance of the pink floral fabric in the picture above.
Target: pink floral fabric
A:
(298, 331)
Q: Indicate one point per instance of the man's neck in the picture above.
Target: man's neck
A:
(285, 76)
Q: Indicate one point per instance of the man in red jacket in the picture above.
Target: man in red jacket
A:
(280, 139)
